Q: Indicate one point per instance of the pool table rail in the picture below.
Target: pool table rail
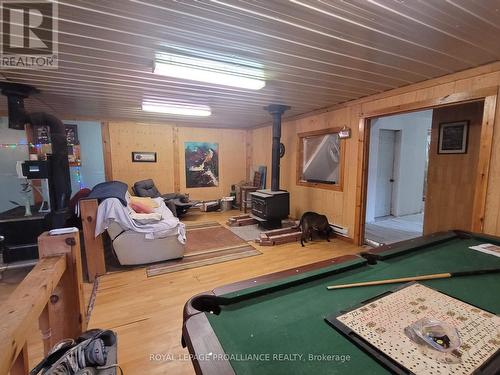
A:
(414, 244)
(210, 301)
(203, 344)
(394, 249)
(197, 333)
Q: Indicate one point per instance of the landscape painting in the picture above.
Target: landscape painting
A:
(202, 164)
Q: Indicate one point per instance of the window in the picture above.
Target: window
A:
(320, 159)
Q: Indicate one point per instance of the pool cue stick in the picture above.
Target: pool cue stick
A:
(414, 278)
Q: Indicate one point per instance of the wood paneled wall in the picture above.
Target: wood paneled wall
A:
(167, 141)
(126, 137)
(451, 177)
(336, 205)
(342, 207)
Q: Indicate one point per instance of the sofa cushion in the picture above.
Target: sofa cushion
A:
(150, 202)
(141, 208)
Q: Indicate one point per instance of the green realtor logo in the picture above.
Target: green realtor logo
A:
(29, 35)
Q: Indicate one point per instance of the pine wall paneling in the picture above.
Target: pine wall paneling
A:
(345, 208)
(168, 140)
(451, 177)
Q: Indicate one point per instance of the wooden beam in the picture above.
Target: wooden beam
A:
(248, 154)
(25, 305)
(106, 148)
(447, 100)
(483, 164)
(362, 181)
(66, 308)
(177, 164)
(94, 249)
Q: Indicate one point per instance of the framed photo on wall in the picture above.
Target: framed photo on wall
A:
(453, 137)
(143, 157)
(72, 134)
(41, 135)
(202, 164)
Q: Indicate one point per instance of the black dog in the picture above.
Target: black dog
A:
(310, 222)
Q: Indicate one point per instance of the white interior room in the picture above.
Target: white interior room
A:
(397, 169)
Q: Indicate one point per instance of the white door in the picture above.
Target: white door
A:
(385, 172)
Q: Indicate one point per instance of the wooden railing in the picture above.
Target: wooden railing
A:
(94, 249)
(52, 293)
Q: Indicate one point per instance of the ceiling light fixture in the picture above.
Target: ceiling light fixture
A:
(209, 71)
(177, 109)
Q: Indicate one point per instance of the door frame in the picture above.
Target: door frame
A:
(490, 97)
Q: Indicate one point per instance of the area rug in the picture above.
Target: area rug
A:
(201, 224)
(206, 245)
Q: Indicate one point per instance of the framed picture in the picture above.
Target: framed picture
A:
(72, 134)
(41, 135)
(453, 137)
(202, 164)
(143, 157)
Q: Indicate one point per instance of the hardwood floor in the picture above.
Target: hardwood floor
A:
(147, 312)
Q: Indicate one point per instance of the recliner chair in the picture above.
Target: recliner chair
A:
(177, 203)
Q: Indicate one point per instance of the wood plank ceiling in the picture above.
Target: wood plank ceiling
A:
(314, 53)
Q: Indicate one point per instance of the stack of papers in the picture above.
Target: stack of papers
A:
(487, 248)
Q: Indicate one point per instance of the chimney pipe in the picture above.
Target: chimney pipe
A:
(276, 110)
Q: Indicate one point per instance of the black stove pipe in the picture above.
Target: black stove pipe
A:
(60, 180)
(276, 110)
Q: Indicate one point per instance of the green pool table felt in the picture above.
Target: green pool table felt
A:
(290, 320)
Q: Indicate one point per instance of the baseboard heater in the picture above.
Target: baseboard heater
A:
(339, 230)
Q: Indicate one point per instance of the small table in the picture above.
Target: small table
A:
(283, 313)
(244, 201)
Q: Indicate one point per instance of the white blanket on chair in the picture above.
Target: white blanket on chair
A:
(111, 209)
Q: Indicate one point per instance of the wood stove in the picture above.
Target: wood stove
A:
(269, 207)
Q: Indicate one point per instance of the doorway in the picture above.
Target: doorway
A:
(435, 184)
(397, 168)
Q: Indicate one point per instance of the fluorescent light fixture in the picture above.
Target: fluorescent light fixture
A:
(177, 109)
(209, 71)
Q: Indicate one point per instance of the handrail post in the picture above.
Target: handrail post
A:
(94, 249)
(23, 307)
(65, 311)
(21, 364)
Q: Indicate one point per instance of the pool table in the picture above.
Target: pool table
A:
(274, 324)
